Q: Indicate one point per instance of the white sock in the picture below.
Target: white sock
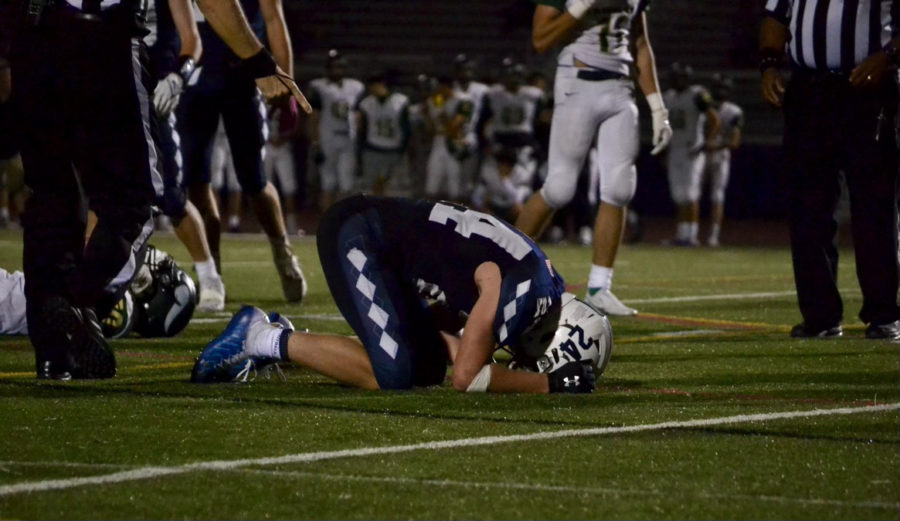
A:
(683, 230)
(600, 277)
(290, 221)
(693, 230)
(234, 221)
(206, 270)
(714, 234)
(4, 213)
(264, 339)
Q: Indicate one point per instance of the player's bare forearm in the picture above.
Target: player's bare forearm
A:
(278, 36)
(711, 127)
(735, 141)
(773, 36)
(183, 16)
(314, 127)
(645, 62)
(228, 21)
(504, 380)
(550, 26)
(477, 341)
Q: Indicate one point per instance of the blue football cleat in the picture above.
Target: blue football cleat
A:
(224, 359)
(277, 318)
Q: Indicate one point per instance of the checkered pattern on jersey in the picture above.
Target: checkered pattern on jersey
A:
(514, 306)
(378, 317)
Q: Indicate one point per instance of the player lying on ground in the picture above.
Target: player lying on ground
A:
(384, 260)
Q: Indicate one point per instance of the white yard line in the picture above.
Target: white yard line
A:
(308, 457)
(609, 491)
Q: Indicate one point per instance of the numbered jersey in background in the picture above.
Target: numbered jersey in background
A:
(603, 36)
(686, 115)
(438, 246)
(513, 113)
(384, 121)
(335, 102)
(731, 117)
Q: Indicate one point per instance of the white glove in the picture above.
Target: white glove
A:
(662, 131)
(580, 7)
(167, 93)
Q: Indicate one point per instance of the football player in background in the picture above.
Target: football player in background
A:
(718, 151)
(174, 47)
(333, 129)
(219, 91)
(284, 127)
(448, 118)
(223, 179)
(384, 129)
(465, 85)
(694, 123)
(381, 258)
(595, 106)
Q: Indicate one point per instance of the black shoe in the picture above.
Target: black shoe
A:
(87, 354)
(801, 331)
(889, 331)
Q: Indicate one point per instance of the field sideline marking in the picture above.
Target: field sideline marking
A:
(309, 457)
(564, 488)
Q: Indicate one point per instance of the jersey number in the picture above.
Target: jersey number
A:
(384, 127)
(340, 109)
(614, 35)
(470, 222)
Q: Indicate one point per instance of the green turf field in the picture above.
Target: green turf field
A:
(667, 435)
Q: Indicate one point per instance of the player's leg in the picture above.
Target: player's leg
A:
(346, 168)
(719, 170)
(454, 170)
(698, 162)
(328, 176)
(197, 121)
(12, 303)
(572, 132)
(287, 180)
(678, 167)
(434, 170)
(617, 147)
(244, 116)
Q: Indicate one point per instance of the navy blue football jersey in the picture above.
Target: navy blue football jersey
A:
(217, 55)
(438, 247)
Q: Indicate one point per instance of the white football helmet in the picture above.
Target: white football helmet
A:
(583, 334)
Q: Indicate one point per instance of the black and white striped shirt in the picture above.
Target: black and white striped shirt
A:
(835, 34)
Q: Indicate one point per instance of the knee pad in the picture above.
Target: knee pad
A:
(559, 189)
(618, 183)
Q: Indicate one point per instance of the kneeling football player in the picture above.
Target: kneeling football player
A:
(407, 276)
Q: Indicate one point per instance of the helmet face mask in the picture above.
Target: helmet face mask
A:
(583, 335)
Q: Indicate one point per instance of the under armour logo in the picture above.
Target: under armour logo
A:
(571, 381)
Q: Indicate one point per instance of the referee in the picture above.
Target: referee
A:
(81, 95)
(840, 108)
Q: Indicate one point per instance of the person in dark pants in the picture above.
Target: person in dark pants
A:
(81, 96)
(840, 108)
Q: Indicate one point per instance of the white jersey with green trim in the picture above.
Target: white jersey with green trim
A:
(603, 37)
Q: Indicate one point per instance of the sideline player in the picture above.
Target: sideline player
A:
(381, 258)
(284, 127)
(448, 118)
(694, 122)
(464, 84)
(384, 130)
(594, 103)
(718, 151)
(220, 91)
(333, 128)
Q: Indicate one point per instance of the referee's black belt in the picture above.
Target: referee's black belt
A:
(599, 75)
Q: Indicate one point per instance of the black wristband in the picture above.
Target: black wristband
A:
(259, 65)
(283, 344)
(186, 66)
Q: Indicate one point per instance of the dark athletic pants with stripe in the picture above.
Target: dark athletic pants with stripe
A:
(832, 127)
(82, 106)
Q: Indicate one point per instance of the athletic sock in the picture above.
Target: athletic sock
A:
(234, 222)
(290, 221)
(599, 279)
(714, 233)
(4, 214)
(268, 341)
(206, 269)
(683, 230)
(693, 231)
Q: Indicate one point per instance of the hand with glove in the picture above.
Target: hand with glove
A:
(574, 377)
(662, 131)
(168, 90)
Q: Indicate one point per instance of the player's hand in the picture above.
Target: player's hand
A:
(662, 131)
(167, 93)
(280, 86)
(871, 71)
(772, 86)
(574, 377)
